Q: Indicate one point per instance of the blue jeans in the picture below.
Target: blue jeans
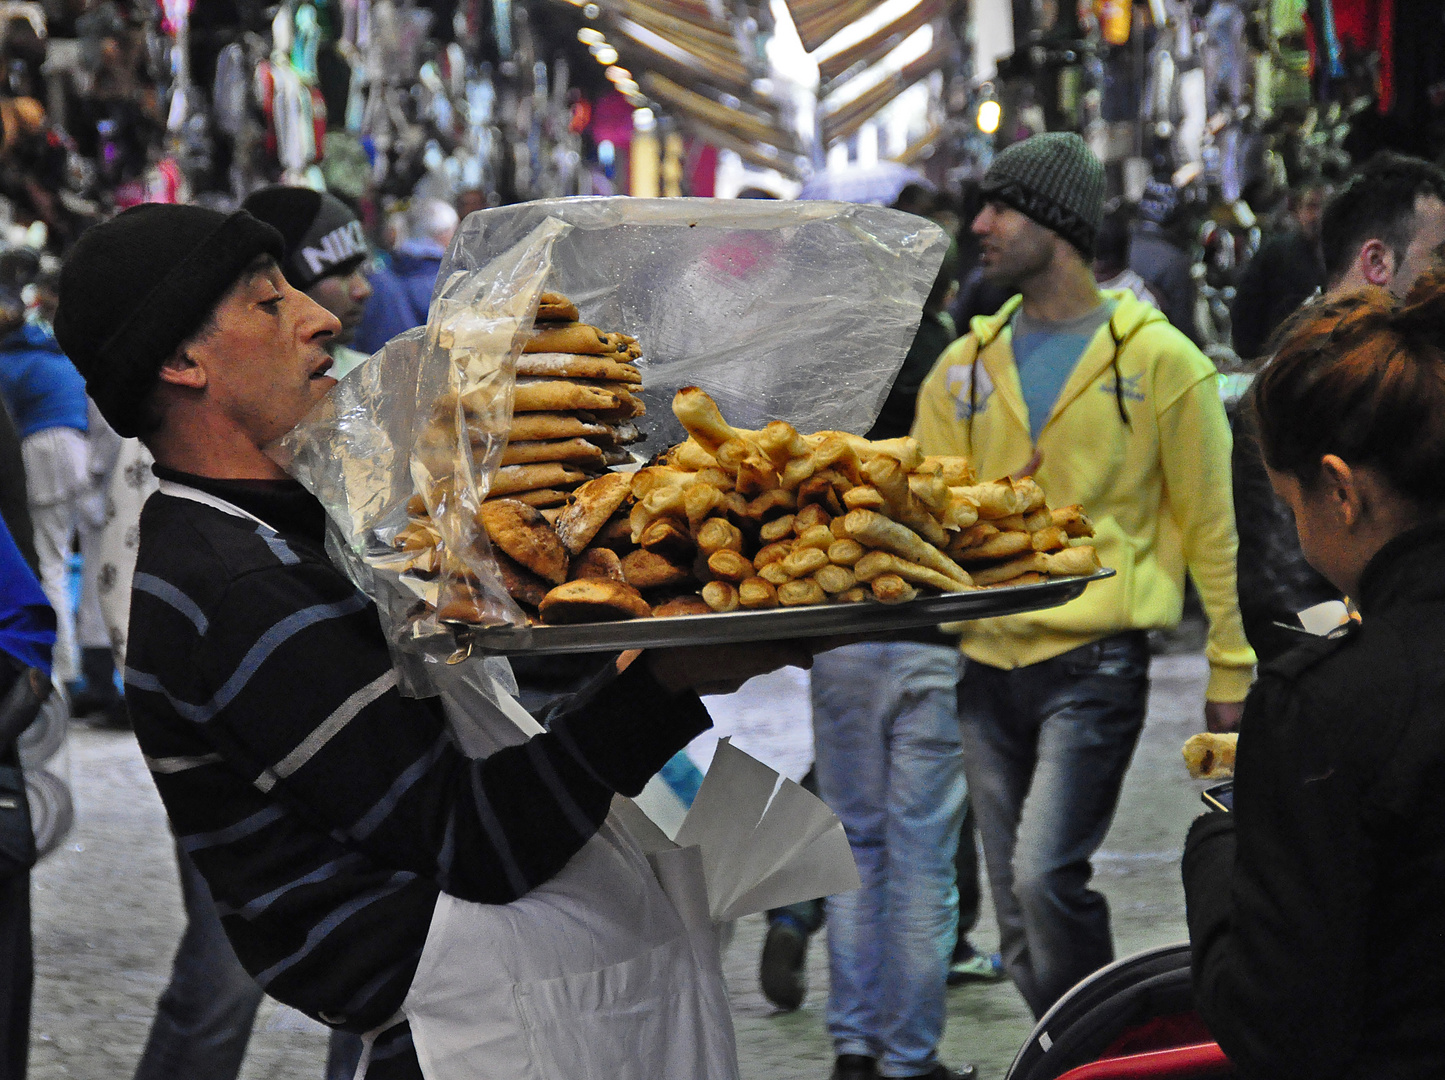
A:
(889, 765)
(203, 1019)
(1046, 748)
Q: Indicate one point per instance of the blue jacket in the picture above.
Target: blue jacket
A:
(40, 385)
(27, 623)
(400, 294)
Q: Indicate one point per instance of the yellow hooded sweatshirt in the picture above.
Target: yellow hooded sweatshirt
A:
(1158, 487)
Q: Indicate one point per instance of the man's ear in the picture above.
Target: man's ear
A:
(182, 370)
(1377, 262)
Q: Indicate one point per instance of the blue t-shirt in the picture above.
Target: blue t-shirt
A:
(1046, 353)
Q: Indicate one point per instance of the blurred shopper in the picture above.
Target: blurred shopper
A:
(1317, 909)
(885, 737)
(1113, 408)
(401, 293)
(1287, 270)
(46, 398)
(1111, 258)
(1383, 228)
(325, 257)
(1159, 252)
(27, 635)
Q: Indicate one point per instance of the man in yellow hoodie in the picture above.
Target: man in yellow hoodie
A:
(1109, 406)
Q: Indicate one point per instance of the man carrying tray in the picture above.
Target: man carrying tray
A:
(347, 843)
(1113, 408)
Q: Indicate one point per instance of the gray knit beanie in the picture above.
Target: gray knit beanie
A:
(1055, 179)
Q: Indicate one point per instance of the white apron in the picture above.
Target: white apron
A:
(609, 971)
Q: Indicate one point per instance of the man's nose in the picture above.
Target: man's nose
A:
(982, 222)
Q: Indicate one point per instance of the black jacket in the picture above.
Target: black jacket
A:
(1275, 582)
(1317, 910)
(1282, 275)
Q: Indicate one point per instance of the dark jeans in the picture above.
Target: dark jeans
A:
(1045, 749)
(203, 1019)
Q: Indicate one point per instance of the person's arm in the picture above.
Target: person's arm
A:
(294, 682)
(1194, 449)
(1278, 895)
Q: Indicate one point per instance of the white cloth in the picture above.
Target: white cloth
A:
(55, 482)
(610, 970)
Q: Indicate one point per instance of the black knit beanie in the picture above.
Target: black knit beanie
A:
(322, 235)
(135, 287)
(1055, 179)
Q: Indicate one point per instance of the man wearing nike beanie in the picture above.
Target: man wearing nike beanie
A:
(326, 257)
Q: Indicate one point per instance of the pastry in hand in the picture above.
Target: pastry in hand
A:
(1210, 756)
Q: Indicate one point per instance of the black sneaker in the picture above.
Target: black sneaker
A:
(855, 1067)
(781, 971)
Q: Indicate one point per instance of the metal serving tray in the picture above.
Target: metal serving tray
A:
(818, 620)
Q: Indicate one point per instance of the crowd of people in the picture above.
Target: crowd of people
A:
(334, 842)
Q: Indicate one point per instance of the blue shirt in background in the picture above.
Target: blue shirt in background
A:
(1046, 354)
(40, 385)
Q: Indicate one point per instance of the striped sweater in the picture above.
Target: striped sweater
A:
(325, 810)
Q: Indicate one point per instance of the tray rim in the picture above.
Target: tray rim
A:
(776, 624)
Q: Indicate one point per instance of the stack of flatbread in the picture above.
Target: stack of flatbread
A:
(1017, 539)
(573, 409)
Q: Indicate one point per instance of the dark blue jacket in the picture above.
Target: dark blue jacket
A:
(400, 294)
(40, 385)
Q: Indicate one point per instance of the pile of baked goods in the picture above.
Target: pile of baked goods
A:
(733, 520)
(573, 407)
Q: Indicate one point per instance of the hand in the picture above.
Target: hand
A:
(1222, 716)
(722, 669)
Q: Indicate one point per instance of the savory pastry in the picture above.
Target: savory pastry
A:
(687, 604)
(571, 366)
(594, 503)
(1208, 756)
(573, 337)
(523, 533)
(554, 307)
(596, 563)
(593, 600)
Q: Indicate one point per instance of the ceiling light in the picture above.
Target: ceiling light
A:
(606, 54)
(591, 11)
(589, 36)
(618, 74)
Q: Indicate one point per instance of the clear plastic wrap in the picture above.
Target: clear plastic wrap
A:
(793, 311)
(797, 311)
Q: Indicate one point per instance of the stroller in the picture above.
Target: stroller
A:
(1134, 1018)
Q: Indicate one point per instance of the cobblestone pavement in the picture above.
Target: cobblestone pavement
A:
(107, 916)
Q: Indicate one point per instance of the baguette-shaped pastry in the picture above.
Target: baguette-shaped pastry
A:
(571, 366)
(558, 395)
(571, 338)
(533, 426)
(995, 499)
(892, 589)
(1002, 545)
(877, 563)
(514, 478)
(1033, 562)
(876, 531)
(574, 451)
(1208, 756)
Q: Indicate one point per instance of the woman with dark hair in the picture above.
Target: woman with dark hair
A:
(1317, 908)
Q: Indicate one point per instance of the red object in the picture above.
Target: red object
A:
(1160, 1033)
(1199, 1060)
